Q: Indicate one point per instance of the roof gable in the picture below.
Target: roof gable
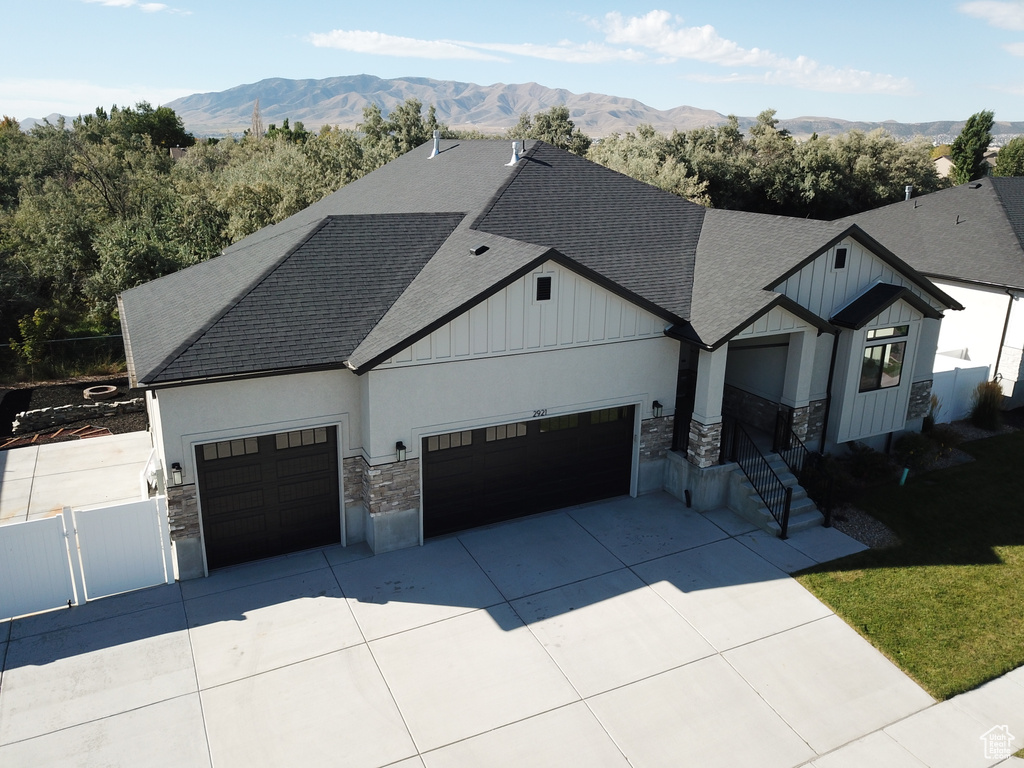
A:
(317, 303)
(639, 237)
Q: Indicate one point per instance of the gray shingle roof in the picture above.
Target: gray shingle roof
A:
(383, 261)
(972, 232)
(637, 236)
(312, 307)
(738, 256)
(876, 299)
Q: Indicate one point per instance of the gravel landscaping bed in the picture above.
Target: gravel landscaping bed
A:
(53, 394)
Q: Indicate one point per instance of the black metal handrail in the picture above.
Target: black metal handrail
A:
(806, 465)
(775, 494)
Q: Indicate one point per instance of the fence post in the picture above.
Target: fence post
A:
(165, 538)
(71, 537)
(784, 533)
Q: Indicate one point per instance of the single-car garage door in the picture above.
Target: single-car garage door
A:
(497, 473)
(269, 495)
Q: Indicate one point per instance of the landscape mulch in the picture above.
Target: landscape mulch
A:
(56, 393)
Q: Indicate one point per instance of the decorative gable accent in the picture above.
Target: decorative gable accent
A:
(517, 319)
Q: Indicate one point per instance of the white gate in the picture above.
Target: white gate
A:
(124, 547)
(35, 568)
(44, 564)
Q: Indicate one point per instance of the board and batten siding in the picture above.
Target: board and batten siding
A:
(513, 321)
(824, 290)
(883, 410)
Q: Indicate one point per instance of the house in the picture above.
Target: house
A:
(969, 241)
(459, 338)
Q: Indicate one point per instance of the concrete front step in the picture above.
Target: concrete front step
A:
(746, 502)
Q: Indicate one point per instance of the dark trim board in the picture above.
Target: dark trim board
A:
(558, 462)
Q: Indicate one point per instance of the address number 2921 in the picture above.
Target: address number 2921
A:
(541, 412)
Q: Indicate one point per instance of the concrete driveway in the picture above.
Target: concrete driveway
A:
(39, 480)
(629, 632)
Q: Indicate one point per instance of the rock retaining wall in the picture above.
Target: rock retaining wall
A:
(44, 418)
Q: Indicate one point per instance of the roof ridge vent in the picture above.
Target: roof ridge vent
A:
(437, 145)
(515, 153)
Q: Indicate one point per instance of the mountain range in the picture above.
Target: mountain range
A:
(490, 109)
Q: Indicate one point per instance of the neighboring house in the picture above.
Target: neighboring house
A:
(969, 240)
(457, 339)
(943, 165)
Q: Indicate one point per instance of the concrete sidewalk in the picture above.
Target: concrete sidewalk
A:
(628, 632)
(38, 480)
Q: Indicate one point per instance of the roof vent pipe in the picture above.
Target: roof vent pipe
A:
(909, 189)
(437, 145)
(515, 154)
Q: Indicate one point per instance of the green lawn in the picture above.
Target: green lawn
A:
(947, 605)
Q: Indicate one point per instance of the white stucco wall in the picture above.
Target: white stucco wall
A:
(203, 413)
(758, 366)
(973, 333)
(409, 403)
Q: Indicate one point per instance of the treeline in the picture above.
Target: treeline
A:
(90, 209)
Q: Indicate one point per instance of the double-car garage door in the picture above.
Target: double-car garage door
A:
(486, 475)
(269, 495)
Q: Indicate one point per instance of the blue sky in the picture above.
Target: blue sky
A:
(903, 60)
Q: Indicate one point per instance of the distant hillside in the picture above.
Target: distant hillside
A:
(490, 109)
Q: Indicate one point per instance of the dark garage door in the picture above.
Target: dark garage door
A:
(269, 495)
(486, 475)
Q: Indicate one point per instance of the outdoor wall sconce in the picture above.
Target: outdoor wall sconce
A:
(400, 450)
(175, 473)
(657, 408)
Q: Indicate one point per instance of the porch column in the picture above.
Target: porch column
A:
(796, 391)
(705, 437)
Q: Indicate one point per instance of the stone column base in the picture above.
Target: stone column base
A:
(704, 444)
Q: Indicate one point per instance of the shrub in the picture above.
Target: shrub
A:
(915, 450)
(986, 406)
(945, 439)
(869, 465)
(934, 408)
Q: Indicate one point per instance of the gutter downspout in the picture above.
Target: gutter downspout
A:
(1002, 339)
(828, 398)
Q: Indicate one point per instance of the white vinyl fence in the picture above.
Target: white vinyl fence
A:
(955, 391)
(82, 555)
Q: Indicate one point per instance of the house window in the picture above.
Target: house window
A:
(544, 288)
(882, 365)
(888, 333)
(451, 440)
(840, 260)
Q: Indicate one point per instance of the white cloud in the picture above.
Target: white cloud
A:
(24, 97)
(665, 34)
(1004, 15)
(1016, 49)
(359, 41)
(144, 7)
(565, 51)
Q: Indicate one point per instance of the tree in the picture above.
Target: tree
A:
(1010, 160)
(256, 131)
(647, 156)
(553, 126)
(968, 149)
